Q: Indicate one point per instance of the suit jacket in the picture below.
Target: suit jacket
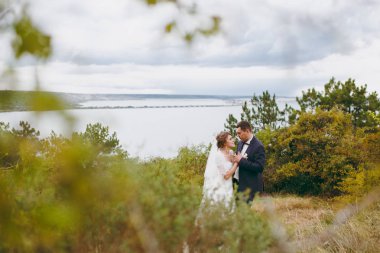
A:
(251, 169)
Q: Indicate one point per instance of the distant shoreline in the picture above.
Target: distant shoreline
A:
(19, 101)
(92, 96)
(124, 107)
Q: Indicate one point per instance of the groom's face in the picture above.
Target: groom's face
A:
(243, 135)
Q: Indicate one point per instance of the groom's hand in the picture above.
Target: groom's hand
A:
(237, 158)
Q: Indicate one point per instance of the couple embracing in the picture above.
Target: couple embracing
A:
(226, 169)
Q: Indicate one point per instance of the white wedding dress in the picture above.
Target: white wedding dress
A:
(216, 189)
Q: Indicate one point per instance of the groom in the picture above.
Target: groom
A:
(251, 161)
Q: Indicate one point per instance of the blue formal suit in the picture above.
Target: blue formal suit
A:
(251, 168)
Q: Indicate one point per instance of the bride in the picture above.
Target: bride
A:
(217, 186)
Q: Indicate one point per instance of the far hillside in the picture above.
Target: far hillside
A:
(45, 101)
(34, 100)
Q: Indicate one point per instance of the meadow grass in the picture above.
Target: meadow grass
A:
(310, 224)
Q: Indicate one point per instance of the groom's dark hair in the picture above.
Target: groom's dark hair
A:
(244, 125)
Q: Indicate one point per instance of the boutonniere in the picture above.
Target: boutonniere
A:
(245, 156)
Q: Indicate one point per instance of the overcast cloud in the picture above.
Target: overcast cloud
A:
(282, 46)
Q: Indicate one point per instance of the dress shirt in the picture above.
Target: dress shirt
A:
(245, 147)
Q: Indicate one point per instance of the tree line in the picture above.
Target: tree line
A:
(329, 146)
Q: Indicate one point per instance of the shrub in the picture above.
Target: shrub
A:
(359, 183)
(191, 164)
(70, 196)
(313, 155)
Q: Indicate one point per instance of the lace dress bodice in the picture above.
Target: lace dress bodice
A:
(222, 163)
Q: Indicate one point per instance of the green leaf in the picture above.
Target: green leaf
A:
(30, 39)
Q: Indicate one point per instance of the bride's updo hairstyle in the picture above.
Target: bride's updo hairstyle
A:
(221, 139)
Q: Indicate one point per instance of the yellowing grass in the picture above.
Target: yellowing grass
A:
(310, 225)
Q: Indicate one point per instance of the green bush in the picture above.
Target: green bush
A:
(316, 154)
(99, 137)
(221, 230)
(15, 141)
(191, 164)
(359, 183)
(69, 195)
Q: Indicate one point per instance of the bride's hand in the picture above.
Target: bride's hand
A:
(227, 175)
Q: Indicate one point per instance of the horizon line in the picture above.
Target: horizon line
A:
(146, 94)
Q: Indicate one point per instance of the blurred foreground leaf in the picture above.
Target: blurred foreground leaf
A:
(30, 39)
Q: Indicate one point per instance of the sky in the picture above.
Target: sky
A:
(120, 46)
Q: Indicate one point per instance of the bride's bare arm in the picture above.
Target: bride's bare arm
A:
(230, 172)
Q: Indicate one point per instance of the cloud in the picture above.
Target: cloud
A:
(284, 47)
(213, 80)
(287, 34)
(253, 32)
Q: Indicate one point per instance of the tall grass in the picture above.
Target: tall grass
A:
(314, 224)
